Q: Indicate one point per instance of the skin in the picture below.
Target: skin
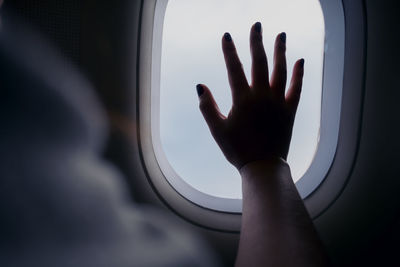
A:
(255, 137)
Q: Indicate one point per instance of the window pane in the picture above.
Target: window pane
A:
(191, 54)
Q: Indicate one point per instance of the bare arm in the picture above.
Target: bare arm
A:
(255, 138)
(276, 229)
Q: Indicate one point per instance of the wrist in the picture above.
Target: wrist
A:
(266, 178)
(270, 165)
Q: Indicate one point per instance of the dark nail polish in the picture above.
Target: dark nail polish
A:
(302, 62)
(227, 37)
(283, 37)
(257, 27)
(200, 89)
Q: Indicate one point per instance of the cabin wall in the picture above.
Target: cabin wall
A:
(362, 227)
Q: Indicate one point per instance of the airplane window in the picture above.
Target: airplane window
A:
(191, 53)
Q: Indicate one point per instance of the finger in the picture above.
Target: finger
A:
(209, 108)
(278, 79)
(236, 76)
(294, 92)
(259, 67)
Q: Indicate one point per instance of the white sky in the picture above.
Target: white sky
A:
(191, 54)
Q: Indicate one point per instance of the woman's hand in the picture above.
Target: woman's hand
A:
(259, 125)
(256, 132)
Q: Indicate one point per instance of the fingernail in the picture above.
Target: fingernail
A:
(227, 37)
(283, 37)
(302, 62)
(257, 27)
(200, 89)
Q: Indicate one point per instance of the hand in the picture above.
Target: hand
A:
(259, 124)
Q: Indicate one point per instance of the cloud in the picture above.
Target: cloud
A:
(191, 54)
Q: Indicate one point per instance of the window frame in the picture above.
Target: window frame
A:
(223, 213)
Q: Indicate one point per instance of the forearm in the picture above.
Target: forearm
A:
(276, 228)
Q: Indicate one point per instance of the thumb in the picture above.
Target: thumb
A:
(209, 108)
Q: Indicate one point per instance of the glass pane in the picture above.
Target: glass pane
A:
(191, 54)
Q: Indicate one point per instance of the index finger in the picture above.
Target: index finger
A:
(236, 76)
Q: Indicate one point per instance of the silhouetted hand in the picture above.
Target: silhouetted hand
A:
(259, 124)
